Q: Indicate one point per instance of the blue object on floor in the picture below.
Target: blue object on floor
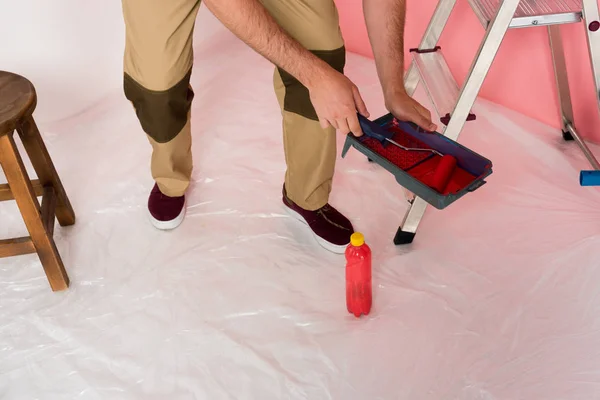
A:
(589, 178)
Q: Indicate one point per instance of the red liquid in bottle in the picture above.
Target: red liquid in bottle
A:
(358, 276)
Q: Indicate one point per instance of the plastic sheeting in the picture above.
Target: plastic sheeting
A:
(497, 298)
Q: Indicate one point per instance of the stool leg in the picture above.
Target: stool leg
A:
(22, 190)
(44, 168)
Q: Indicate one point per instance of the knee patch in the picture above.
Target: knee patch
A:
(162, 114)
(297, 97)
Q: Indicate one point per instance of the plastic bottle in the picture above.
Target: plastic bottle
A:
(358, 276)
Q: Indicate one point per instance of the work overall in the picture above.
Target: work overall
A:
(158, 63)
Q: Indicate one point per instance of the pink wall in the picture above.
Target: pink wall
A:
(521, 77)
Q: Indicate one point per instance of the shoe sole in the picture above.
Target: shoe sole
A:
(334, 248)
(168, 225)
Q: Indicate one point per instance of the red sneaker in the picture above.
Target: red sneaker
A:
(165, 212)
(329, 227)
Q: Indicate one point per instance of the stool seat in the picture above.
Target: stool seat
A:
(17, 100)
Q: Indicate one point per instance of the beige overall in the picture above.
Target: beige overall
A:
(157, 65)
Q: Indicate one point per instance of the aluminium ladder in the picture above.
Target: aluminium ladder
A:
(497, 16)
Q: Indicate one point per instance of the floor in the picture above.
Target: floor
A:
(497, 298)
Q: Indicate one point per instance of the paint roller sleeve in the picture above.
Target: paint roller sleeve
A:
(443, 173)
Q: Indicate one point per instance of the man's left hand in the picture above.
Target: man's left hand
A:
(405, 108)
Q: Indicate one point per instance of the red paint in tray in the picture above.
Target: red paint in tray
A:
(421, 165)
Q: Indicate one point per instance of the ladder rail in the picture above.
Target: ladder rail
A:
(480, 67)
(591, 18)
(560, 75)
(590, 14)
(584, 148)
(413, 217)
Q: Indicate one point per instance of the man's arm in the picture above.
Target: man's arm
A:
(385, 25)
(335, 99)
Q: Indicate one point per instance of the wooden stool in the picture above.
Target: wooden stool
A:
(17, 102)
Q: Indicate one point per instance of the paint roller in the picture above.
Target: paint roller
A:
(444, 169)
(443, 173)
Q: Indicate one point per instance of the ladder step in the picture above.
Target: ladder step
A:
(532, 12)
(438, 81)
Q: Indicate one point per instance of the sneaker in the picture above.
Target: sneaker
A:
(165, 212)
(330, 228)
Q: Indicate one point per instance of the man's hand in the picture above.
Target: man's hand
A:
(405, 108)
(336, 101)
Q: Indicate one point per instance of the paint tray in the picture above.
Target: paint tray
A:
(414, 169)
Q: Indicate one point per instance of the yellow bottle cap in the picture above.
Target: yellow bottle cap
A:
(357, 239)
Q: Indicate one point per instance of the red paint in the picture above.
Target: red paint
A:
(444, 176)
(594, 25)
(426, 172)
(521, 77)
(359, 296)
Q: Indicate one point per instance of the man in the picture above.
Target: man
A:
(302, 39)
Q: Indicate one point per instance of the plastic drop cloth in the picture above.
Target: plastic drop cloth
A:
(497, 298)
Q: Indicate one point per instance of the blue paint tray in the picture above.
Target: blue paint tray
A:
(414, 169)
